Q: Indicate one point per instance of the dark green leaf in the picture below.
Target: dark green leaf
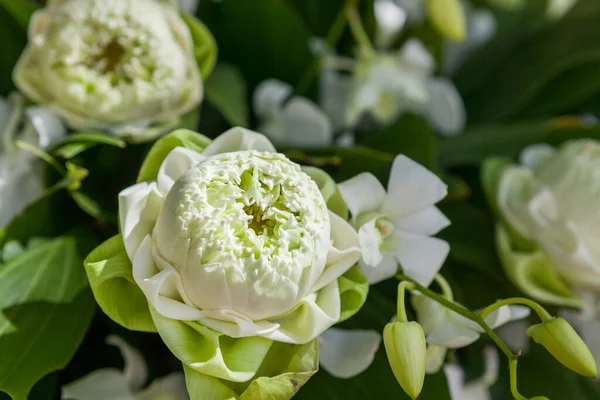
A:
(14, 40)
(226, 91)
(21, 10)
(205, 48)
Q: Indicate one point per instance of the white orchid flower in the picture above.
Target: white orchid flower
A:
(20, 171)
(346, 353)
(395, 227)
(114, 384)
(290, 121)
(390, 19)
(477, 389)
(119, 65)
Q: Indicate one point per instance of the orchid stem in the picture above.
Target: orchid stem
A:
(513, 380)
(358, 30)
(541, 311)
(401, 312)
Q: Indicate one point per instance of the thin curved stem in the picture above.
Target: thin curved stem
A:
(401, 312)
(513, 380)
(445, 286)
(358, 30)
(541, 311)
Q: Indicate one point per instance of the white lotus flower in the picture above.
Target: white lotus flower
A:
(396, 227)
(239, 239)
(114, 384)
(288, 120)
(476, 389)
(20, 171)
(445, 329)
(346, 353)
(120, 65)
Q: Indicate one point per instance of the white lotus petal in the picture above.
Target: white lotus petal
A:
(175, 164)
(238, 139)
(362, 193)
(411, 188)
(347, 353)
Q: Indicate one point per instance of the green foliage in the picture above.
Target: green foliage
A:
(226, 91)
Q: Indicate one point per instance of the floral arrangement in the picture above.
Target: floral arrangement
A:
(350, 199)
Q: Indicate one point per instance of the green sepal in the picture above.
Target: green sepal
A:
(532, 272)
(205, 45)
(159, 151)
(329, 190)
(354, 289)
(110, 275)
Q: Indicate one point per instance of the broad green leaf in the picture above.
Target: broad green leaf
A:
(354, 289)
(109, 272)
(21, 10)
(267, 38)
(163, 146)
(205, 47)
(329, 190)
(226, 91)
(40, 337)
(11, 49)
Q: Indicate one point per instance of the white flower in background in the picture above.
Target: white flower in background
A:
(476, 389)
(20, 171)
(390, 19)
(551, 200)
(114, 384)
(239, 239)
(120, 65)
(346, 353)
(396, 227)
(555, 9)
(288, 120)
(189, 5)
(445, 329)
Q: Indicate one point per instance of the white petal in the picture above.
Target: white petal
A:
(390, 19)
(5, 111)
(269, 97)
(411, 188)
(170, 387)
(189, 6)
(175, 164)
(238, 139)
(347, 353)
(420, 257)
(533, 156)
(362, 193)
(517, 187)
(334, 95)
(506, 314)
(455, 377)
(436, 355)
(445, 110)
(415, 55)
(369, 239)
(48, 127)
(135, 371)
(139, 207)
(101, 384)
(427, 221)
(386, 269)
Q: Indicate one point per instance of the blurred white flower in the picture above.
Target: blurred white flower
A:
(390, 19)
(477, 389)
(395, 227)
(20, 171)
(555, 9)
(114, 384)
(347, 353)
(189, 5)
(120, 65)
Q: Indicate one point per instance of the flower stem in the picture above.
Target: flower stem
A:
(445, 286)
(541, 311)
(333, 37)
(358, 30)
(401, 312)
(513, 380)
(462, 311)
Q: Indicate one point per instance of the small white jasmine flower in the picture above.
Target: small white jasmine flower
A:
(20, 171)
(396, 227)
(120, 65)
(477, 389)
(111, 383)
(346, 353)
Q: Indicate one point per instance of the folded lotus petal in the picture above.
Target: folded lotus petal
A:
(139, 207)
(238, 139)
(370, 240)
(170, 387)
(362, 193)
(177, 163)
(386, 269)
(517, 186)
(343, 253)
(411, 188)
(101, 384)
(427, 221)
(420, 257)
(135, 370)
(345, 353)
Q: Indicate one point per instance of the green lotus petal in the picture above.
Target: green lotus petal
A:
(205, 46)
(109, 271)
(210, 352)
(159, 151)
(354, 288)
(533, 272)
(491, 172)
(201, 386)
(329, 190)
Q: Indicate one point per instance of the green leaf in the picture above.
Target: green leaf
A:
(11, 49)
(21, 10)
(109, 272)
(329, 190)
(40, 337)
(273, 34)
(159, 151)
(226, 91)
(87, 204)
(77, 143)
(491, 173)
(354, 289)
(205, 47)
